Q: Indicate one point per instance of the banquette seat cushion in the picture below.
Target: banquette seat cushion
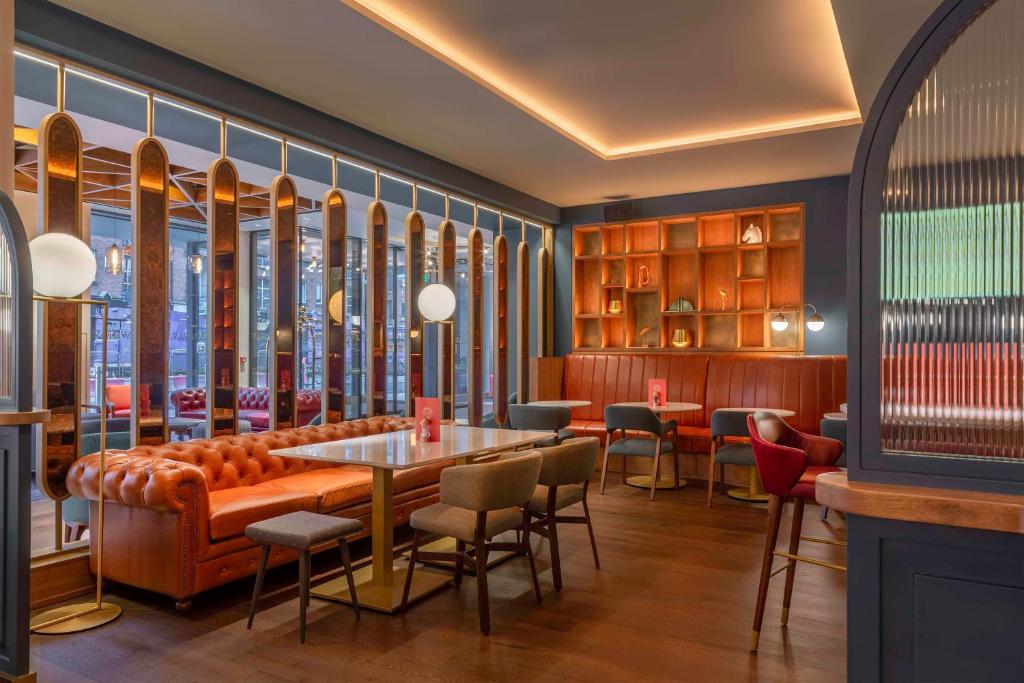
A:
(808, 385)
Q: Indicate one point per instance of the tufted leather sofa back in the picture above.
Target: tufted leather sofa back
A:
(244, 459)
(808, 385)
(249, 398)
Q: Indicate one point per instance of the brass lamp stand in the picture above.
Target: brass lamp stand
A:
(87, 615)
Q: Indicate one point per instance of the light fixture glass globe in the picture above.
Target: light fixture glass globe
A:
(63, 266)
(815, 323)
(780, 322)
(334, 306)
(436, 302)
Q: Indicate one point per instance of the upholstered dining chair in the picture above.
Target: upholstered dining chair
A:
(479, 502)
(725, 423)
(661, 440)
(834, 429)
(788, 462)
(564, 481)
(542, 419)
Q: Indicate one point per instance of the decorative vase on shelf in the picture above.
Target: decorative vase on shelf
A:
(643, 276)
(615, 306)
(752, 235)
(681, 338)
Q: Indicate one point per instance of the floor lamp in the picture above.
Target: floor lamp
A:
(437, 305)
(63, 268)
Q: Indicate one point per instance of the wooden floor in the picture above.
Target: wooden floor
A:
(673, 600)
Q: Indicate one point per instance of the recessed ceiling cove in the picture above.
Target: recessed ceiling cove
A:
(634, 79)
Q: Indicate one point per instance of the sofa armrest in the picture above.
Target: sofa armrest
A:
(144, 481)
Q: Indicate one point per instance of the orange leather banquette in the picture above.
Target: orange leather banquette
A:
(177, 513)
(808, 385)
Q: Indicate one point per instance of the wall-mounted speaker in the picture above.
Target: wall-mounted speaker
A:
(615, 213)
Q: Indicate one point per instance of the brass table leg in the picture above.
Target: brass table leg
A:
(753, 493)
(379, 586)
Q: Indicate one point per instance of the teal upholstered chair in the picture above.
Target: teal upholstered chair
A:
(542, 419)
(834, 429)
(661, 440)
(727, 423)
(75, 511)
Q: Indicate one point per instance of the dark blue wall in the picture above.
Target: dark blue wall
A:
(824, 252)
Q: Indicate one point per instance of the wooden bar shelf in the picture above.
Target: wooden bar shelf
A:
(703, 282)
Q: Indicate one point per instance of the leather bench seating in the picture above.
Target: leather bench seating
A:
(176, 513)
(808, 385)
(253, 405)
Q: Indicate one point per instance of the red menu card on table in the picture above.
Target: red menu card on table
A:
(657, 389)
(428, 419)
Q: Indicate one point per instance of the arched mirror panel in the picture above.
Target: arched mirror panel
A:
(415, 246)
(501, 322)
(446, 352)
(523, 323)
(476, 326)
(284, 239)
(377, 253)
(335, 236)
(150, 248)
(222, 233)
(544, 301)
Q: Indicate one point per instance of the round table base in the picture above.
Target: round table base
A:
(745, 494)
(643, 481)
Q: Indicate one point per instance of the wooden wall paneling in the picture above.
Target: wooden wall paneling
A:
(60, 209)
(150, 292)
(335, 245)
(476, 326)
(500, 330)
(377, 278)
(415, 246)
(222, 298)
(523, 322)
(446, 352)
(284, 247)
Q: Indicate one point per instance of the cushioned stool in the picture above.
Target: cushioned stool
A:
(302, 531)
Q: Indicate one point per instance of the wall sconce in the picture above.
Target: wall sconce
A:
(815, 323)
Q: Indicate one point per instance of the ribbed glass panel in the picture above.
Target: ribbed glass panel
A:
(951, 250)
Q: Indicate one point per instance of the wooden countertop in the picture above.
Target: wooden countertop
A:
(949, 507)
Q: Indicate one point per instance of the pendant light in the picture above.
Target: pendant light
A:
(195, 263)
(115, 259)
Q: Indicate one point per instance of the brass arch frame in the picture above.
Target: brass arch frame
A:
(523, 321)
(415, 247)
(150, 245)
(222, 298)
(446, 256)
(500, 330)
(60, 210)
(476, 326)
(284, 246)
(335, 249)
(376, 309)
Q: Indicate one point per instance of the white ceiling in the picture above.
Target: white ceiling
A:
(537, 95)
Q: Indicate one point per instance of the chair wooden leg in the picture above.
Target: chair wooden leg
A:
(346, 560)
(413, 557)
(604, 463)
(529, 549)
(794, 546)
(590, 528)
(556, 562)
(480, 547)
(460, 551)
(655, 469)
(260, 573)
(303, 593)
(772, 535)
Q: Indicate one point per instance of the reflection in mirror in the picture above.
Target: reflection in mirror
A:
(284, 280)
(222, 232)
(476, 326)
(415, 244)
(446, 256)
(523, 323)
(501, 332)
(377, 371)
(335, 237)
(150, 292)
(60, 203)
(544, 300)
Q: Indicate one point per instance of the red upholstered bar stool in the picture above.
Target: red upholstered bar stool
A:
(788, 462)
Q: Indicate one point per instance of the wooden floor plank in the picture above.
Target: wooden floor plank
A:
(673, 600)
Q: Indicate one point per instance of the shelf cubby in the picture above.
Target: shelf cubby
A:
(679, 235)
(718, 331)
(717, 230)
(785, 268)
(785, 225)
(613, 239)
(787, 339)
(643, 319)
(610, 294)
(679, 321)
(752, 261)
(718, 276)
(751, 330)
(613, 271)
(613, 331)
(751, 295)
(680, 275)
(587, 243)
(642, 237)
(587, 333)
(642, 271)
(588, 280)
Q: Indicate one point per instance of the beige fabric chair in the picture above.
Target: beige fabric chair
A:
(479, 502)
(564, 481)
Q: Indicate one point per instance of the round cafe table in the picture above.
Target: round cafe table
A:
(567, 403)
(754, 493)
(835, 416)
(643, 481)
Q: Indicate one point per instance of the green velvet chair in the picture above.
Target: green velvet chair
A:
(75, 511)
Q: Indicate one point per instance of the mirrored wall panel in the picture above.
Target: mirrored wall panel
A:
(475, 250)
(377, 253)
(446, 256)
(523, 323)
(415, 246)
(222, 233)
(545, 289)
(284, 239)
(501, 322)
(335, 236)
(150, 249)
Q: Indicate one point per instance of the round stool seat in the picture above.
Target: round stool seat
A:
(301, 530)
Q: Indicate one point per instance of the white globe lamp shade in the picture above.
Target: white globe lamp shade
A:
(815, 323)
(334, 306)
(63, 266)
(436, 302)
(780, 322)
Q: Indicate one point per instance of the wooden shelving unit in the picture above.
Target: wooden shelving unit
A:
(626, 277)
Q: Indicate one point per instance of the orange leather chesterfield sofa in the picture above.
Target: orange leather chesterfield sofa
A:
(808, 385)
(176, 513)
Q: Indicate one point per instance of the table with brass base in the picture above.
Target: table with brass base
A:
(379, 586)
(754, 492)
(643, 481)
